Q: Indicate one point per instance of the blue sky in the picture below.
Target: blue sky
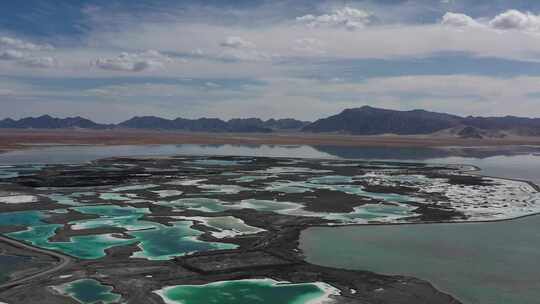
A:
(112, 59)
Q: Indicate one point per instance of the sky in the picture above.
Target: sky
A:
(110, 60)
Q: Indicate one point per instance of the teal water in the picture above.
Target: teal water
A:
(83, 247)
(126, 217)
(112, 210)
(157, 241)
(167, 242)
(26, 218)
(264, 291)
(88, 291)
(64, 199)
(480, 263)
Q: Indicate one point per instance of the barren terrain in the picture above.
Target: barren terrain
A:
(19, 139)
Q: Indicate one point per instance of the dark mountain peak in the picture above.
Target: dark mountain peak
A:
(49, 122)
(368, 120)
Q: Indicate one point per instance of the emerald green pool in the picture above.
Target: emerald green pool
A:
(88, 291)
(167, 242)
(260, 291)
(156, 241)
(479, 263)
(83, 247)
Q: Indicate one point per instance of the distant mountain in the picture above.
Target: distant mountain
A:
(359, 121)
(372, 121)
(240, 125)
(48, 122)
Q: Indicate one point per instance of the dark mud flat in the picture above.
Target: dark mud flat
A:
(297, 194)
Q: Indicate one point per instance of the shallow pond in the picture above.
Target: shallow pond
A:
(480, 263)
(88, 291)
(263, 291)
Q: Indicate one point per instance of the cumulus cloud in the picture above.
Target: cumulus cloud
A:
(25, 53)
(516, 20)
(133, 62)
(14, 43)
(509, 20)
(458, 20)
(346, 17)
(236, 42)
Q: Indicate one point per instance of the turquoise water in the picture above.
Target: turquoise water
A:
(263, 291)
(112, 210)
(167, 242)
(64, 199)
(88, 291)
(83, 247)
(480, 263)
(26, 218)
(159, 242)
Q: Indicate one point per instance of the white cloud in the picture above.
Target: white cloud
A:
(133, 62)
(346, 17)
(236, 42)
(25, 53)
(516, 20)
(11, 55)
(458, 20)
(239, 49)
(509, 20)
(14, 43)
(39, 62)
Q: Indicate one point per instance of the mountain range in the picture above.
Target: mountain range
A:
(365, 120)
(158, 123)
